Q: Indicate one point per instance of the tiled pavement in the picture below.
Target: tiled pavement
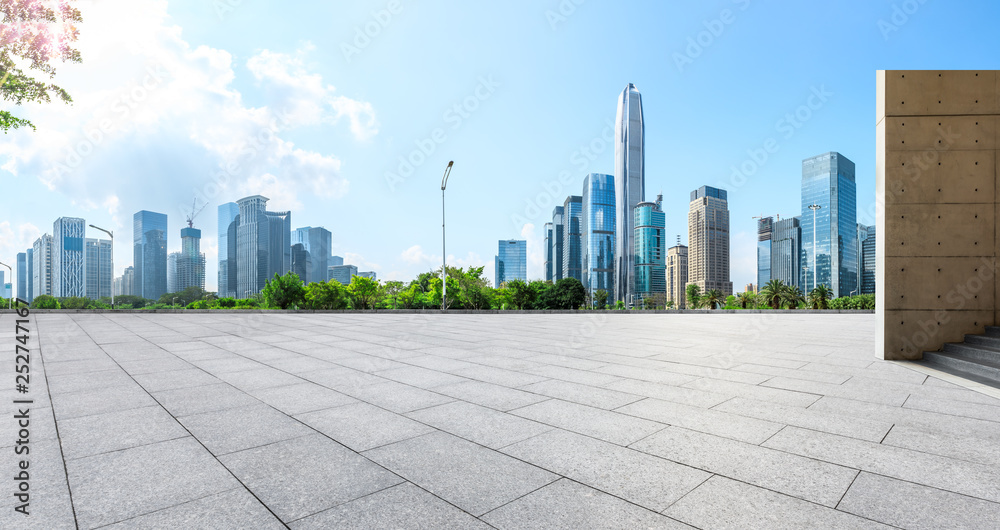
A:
(244, 420)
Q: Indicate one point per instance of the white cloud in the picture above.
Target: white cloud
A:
(536, 251)
(14, 240)
(280, 196)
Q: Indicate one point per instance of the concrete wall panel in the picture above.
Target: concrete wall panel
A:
(952, 284)
(941, 93)
(930, 230)
(942, 133)
(910, 333)
(940, 177)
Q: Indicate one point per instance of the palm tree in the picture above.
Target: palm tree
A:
(713, 299)
(819, 297)
(772, 293)
(746, 299)
(792, 296)
(693, 296)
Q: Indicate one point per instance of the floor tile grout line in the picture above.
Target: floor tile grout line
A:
(853, 480)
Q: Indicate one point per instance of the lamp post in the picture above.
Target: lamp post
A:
(814, 207)
(9, 300)
(444, 253)
(112, 236)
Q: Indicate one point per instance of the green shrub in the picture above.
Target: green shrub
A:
(45, 301)
(199, 304)
(225, 303)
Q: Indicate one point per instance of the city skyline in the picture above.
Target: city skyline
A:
(341, 126)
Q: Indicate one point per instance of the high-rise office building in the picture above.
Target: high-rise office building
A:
(69, 259)
(22, 275)
(30, 277)
(149, 239)
(343, 273)
(317, 243)
(650, 249)
(99, 272)
(229, 214)
(125, 284)
(764, 230)
(511, 261)
(302, 265)
(6, 288)
(786, 241)
(630, 185)
(708, 240)
(41, 270)
(172, 271)
(336, 260)
(263, 245)
(557, 245)
(677, 275)
(190, 260)
(368, 274)
(598, 233)
(573, 237)
(828, 183)
(548, 251)
(867, 281)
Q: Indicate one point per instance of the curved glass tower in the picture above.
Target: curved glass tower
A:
(630, 184)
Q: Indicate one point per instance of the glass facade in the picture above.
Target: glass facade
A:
(832, 256)
(557, 243)
(511, 261)
(30, 278)
(868, 262)
(172, 271)
(765, 228)
(149, 238)
(228, 218)
(598, 233)
(190, 262)
(548, 251)
(263, 245)
(650, 248)
(317, 242)
(630, 185)
(343, 273)
(41, 270)
(573, 238)
(302, 265)
(22, 275)
(69, 258)
(100, 276)
(786, 240)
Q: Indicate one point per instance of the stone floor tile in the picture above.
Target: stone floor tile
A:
(235, 508)
(592, 396)
(420, 377)
(676, 394)
(606, 425)
(302, 397)
(479, 424)
(489, 395)
(873, 431)
(398, 397)
(195, 400)
(259, 378)
(101, 400)
(160, 381)
(114, 431)
(361, 426)
(235, 429)
(780, 396)
(709, 421)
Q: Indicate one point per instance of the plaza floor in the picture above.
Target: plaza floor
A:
(307, 421)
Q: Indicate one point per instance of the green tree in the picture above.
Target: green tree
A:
(284, 291)
(772, 293)
(568, 293)
(819, 297)
(792, 296)
(76, 302)
(746, 299)
(224, 303)
(136, 302)
(326, 295)
(45, 301)
(601, 299)
(365, 293)
(693, 292)
(390, 293)
(713, 299)
(520, 294)
(409, 297)
(620, 305)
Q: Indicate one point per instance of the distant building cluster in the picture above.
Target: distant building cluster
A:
(65, 264)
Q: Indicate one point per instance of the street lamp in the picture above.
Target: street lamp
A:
(112, 236)
(444, 253)
(9, 300)
(814, 207)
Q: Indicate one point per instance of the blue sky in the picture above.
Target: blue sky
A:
(315, 104)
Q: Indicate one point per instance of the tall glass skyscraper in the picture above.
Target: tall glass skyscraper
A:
(786, 242)
(598, 233)
(764, 230)
(263, 245)
(22, 275)
(867, 281)
(317, 243)
(229, 214)
(100, 276)
(511, 261)
(832, 259)
(190, 260)
(69, 276)
(630, 185)
(572, 238)
(548, 251)
(650, 249)
(41, 270)
(149, 238)
(557, 245)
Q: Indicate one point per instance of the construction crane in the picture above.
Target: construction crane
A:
(778, 217)
(194, 212)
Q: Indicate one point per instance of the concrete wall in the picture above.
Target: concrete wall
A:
(937, 188)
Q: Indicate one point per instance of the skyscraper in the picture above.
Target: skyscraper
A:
(125, 284)
(172, 271)
(41, 271)
(548, 251)
(30, 277)
(557, 245)
(99, 273)
(765, 228)
(316, 242)
(190, 260)
(598, 233)
(263, 245)
(650, 247)
(68, 258)
(302, 265)
(630, 185)
(867, 285)
(677, 275)
(149, 238)
(708, 237)
(572, 238)
(229, 214)
(343, 273)
(828, 182)
(511, 261)
(22, 275)
(786, 241)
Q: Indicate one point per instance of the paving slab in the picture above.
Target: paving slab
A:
(606, 425)
(456, 470)
(712, 421)
(195, 400)
(592, 396)
(117, 430)
(235, 508)
(479, 424)
(489, 395)
(873, 431)
(302, 397)
(235, 429)
(361, 426)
